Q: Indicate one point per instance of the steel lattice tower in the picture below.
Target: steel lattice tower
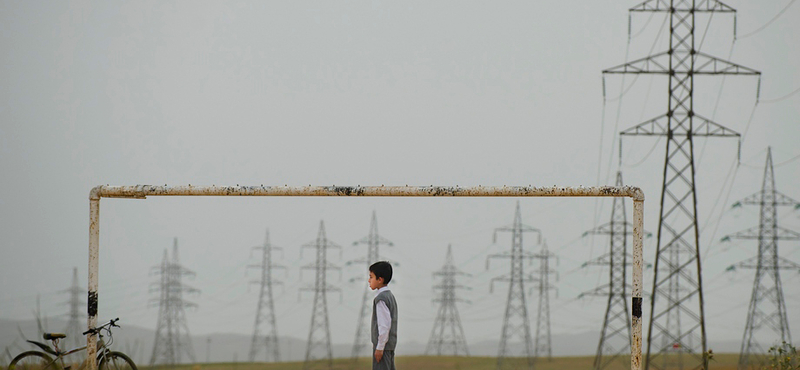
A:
(373, 241)
(543, 345)
(677, 322)
(265, 311)
(516, 325)
(73, 330)
(447, 335)
(319, 334)
(767, 311)
(172, 332)
(615, 337)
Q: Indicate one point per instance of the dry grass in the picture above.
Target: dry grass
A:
(720, 362)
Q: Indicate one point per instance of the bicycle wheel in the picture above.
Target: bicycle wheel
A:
(33, 360)
(117, 361)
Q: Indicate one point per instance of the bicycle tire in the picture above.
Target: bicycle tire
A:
(33, 360)
(116, 361)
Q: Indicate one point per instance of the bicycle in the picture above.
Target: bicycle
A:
(106, 359)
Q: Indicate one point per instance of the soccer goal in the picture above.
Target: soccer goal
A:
(144, 191)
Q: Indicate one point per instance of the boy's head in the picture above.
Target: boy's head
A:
(380, 274)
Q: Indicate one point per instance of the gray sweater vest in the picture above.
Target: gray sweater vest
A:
(388, 298)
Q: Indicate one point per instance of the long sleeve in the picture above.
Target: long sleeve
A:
(384, 323)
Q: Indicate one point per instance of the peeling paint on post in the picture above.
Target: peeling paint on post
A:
(94, 264)
(636, 294)
(143, 191)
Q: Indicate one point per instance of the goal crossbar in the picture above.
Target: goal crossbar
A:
(143, 191)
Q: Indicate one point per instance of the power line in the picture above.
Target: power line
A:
(768, 101)
(757, 30)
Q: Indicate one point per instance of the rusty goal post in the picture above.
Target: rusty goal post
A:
(143, 191)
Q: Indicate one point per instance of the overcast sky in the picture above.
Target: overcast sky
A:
(368, 92)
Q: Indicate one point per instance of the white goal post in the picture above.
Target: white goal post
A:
(143, 191)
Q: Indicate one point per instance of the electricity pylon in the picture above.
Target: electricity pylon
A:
(677, 321)
(362, 344)
(447, 335)
(516, 325)
(73, 330)
(319, 334)
(265, 311)
(172, 331)
(542, 344)
(767, 312)
(615, 337)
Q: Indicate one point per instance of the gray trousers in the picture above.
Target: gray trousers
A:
(387, 361)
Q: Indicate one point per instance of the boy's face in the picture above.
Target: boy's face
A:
(374, 283)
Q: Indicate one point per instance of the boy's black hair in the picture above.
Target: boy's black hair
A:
(382, 269)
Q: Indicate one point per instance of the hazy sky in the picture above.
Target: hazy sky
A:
(370, 92)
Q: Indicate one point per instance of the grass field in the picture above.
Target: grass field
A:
(720, 362)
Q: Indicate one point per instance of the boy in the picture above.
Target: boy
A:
(384, 317)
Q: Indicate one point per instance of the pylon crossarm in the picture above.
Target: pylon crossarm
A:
(188, 289)
(361, 260)
(654, 127)
(749, 263)
(183, 271)
(786, 234)
(497, 255)
(603, 260)
(599, 230)
(189, 304)
(707, 127)
(780, 199)
(450, 273)
(785, 264)
(379, 239)
(665, 6)
(713, 6)
(705, 64)
(651, 6)
(754, 233)
(654, 64)
(784, 200)
(601, 291)
(522, 228)
(330, 244)
(440, 300)
(507, 254)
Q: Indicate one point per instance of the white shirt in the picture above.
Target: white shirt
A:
(384, 321)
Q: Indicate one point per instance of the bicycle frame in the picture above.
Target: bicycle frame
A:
(102, 350)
